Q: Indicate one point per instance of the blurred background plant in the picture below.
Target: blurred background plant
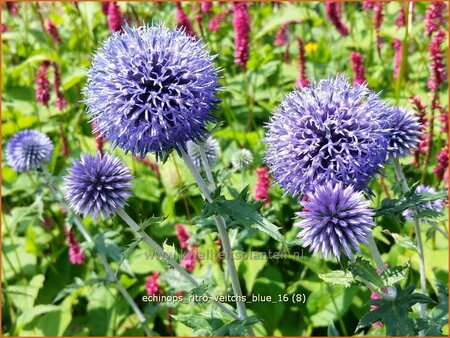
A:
(265, 50)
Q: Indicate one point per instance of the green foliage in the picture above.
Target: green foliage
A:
(438, 316)
(43, 293)
(242, 212)
(395, 315)
(410, 200)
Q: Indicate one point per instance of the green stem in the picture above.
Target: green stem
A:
(161, 253)
(423, 281)
(375, 253)
(223, 234)
(79, 224)
(341, 322)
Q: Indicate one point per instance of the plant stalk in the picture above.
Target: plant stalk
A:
(423, 282)
(160, 251)
(79, 224)
(223, 234)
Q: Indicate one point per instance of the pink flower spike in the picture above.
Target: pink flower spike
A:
(53, 31)
(76, 255)
(42, 84)
(358, 68)
(397, 45)
(216, 21)
(190, 259)
(333, 10)
(183, 20)
(182, 235)
(261, 191)
(241, 23)
(152, 285)
(206, 6)
(302, 80)
(437, 62)
(114, 18)
(434, 17)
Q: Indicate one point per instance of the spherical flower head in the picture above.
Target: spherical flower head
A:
(211, 147)
(337, 220)
(242, 159)
(28, 150)
(435, 205)
(97, 185)
(152, 89)
(331, 131)
(405, 134)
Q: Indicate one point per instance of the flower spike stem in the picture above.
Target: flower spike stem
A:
(206, 167)
(375, 253)
(160, 251)
(109, 271)
(423, 282)
(223, 234)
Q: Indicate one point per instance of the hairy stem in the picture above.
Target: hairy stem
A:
(423, 282)
(160, 251)
(223, 234)
(109, 271)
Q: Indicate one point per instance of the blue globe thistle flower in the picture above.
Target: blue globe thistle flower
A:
(404, 135)
(435, 205)
(331, 131)
(28, 150)
(97, 185)
(211, 147)
(152, 89)
(335, 220)
(242, 159)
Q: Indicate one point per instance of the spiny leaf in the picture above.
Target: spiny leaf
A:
(438, 316)
(125, 254)
(200, 290)
(410, 200)
(362, 268)
(242, 212)
(403, 241)
(338, 277)
(392, 276)
(395, 314)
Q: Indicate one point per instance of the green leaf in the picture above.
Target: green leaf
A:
(338, 277)
(403, 241)
(24, 296)
(101, 311)
(362, 268)
(395, 315)
(410, 200)
(332, 331)
(250, 268)
(438, 316)
(242, 212)
(199, 291)
(392, 276)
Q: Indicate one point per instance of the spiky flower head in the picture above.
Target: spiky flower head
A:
(28, 150)
(435, 205)
(151, 89)
(335, 219)
(404, 135)
(242, 159)
(211, 147)
(97, 185)
(331, 131)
